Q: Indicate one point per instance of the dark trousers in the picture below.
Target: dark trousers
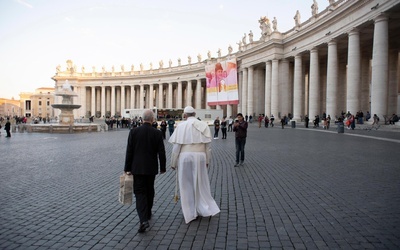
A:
(216, 130)
(143, 187)
(8, 133)
(223, 133)
(240, 143)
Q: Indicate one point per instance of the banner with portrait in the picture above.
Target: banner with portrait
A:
(222, 83)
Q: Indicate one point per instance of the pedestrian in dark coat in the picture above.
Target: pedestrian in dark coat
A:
(144, 152)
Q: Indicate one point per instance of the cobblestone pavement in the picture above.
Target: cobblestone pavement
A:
(299, 189)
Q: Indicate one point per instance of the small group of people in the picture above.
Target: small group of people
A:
(191, 155)
(7, 127)
(223, 125)
(145, 158)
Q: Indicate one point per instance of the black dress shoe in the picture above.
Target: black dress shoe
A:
(143, 227)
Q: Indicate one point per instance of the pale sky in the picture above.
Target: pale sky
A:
(38, 35)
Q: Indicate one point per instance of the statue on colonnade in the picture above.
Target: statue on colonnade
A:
(161, 63)
(189, 60)
(297, 19)
(199, 57)
(170, 63)
(58, 68)
(83, 69)
(265, 26)
(314, 8)
(275, 24)
(209, 55)
(240, 46)
(141, 66)
(244, 39)
(230, 49)
(219, 53)
(251, 37)
(132, 67)
(179, 61)
(122, 68)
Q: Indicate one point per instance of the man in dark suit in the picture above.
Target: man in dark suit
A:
(145, 148)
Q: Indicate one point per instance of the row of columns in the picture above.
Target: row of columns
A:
(310, 93)
(114, 98)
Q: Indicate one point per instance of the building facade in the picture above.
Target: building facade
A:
(344, 58)
(37, 104)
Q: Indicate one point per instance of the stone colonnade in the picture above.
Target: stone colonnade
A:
(346, 58)
(108, 100)
(327, 78)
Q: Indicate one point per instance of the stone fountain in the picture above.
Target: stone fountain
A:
(66, 122)
(67, 107)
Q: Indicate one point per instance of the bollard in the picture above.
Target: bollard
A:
(293, 124)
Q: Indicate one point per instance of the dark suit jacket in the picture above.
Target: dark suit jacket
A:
(145, 148)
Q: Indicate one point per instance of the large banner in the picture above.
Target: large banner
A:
(222, 83)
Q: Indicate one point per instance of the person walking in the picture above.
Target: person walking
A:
(306, 121)
(171, 126)
(230, 124)
(217, 123)
(7, 127)
(240, 129)
(144, 153)
(163, 126)
(190, 156)
(272, 119)
(223, 127)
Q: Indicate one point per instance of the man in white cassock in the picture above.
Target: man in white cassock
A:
(191, 156)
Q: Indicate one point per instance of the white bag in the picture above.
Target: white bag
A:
(125, 189)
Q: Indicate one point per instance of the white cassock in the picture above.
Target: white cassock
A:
(190, 154)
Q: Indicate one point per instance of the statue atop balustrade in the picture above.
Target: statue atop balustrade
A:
(297, 19)
(265, 26)
(275, 24)
(314, 9)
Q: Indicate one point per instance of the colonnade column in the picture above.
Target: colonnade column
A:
(284, 94)
(112, 100)
(198, 94)
(170, 96)
(82, 100)
(160, 96)
(332, 80)
(267, 104)
(189, 93)
(298, 104)
(250, 92)
(141, 97)
(275, 87)
(133, 96)
(151, 96)
(379, 81)
(93, 101)
(244, 92)
(179, 97)
(122, 99)
(314, 99)
(353, 72)
(98, 101)
(393, 82)
(103, 101)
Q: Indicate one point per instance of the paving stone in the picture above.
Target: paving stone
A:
(299, 189)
